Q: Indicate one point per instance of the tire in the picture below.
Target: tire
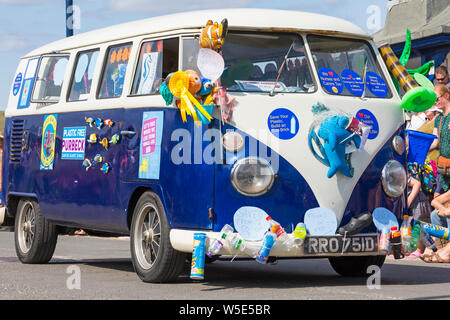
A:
(355, 266)
(34, 236)
(153, 257)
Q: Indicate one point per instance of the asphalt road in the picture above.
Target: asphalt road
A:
(106, 272)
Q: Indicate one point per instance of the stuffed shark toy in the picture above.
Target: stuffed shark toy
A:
(334, 132)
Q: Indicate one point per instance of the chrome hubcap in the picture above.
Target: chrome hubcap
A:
(27, 227)
(147, 241)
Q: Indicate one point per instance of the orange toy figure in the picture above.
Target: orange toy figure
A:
(195, 83)
(213, 34)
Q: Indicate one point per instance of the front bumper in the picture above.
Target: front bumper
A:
(182, 240)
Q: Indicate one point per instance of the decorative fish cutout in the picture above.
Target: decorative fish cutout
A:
(92, 138)
(98, 123)
(106, 168)
(115, 139)
(98, 158)
(89, 121)
(105, 143)
(108, 123)
(87, 164)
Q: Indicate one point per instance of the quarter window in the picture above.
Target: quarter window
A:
(52, 70)
(114, 72)
(82, 78)
(156, 60)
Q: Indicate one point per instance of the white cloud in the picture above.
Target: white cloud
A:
(10, 42)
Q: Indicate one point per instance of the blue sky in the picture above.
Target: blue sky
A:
(28, 24)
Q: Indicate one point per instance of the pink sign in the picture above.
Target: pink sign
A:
(149, 136)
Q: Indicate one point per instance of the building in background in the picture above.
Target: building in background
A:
(429, 23)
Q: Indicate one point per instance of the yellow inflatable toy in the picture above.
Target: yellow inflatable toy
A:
(213, 35)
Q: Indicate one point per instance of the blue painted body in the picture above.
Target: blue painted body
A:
(69, 195)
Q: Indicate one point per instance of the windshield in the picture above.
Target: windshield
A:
(341, 65)
(253, 61)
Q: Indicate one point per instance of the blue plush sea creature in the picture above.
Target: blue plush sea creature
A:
(206, 87)
(335, 136)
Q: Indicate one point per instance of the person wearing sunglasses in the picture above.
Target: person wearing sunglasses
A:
(441, 76)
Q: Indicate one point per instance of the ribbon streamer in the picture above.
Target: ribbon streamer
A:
(178, 84)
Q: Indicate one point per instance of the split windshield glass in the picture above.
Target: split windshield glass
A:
(341, 65)
(253, 60)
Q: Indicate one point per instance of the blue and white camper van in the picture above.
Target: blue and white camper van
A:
(90, 142)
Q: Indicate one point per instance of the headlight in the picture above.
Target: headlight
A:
(393, 178)
(398, 144)
(252, 176)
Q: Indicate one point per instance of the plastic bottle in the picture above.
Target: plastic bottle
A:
(396, 243)
(428, 241)
(383, 243)
(238, 244)
(267, 244)
(279, 231)
(299, 234)
(415, 236)
(405, 231)
(218, 243)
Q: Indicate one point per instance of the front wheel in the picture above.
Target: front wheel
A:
(153, 257)
(35, 237)
(355, 266)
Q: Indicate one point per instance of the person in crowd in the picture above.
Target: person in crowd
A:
(441, 214)
(441, 130)
(441, 76)
(440, 217)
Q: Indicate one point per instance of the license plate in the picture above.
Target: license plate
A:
(338, 244)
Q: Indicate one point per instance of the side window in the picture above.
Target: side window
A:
(50, 78)
(114, 71)
(190, 54)
(82, 77)
(156, 60)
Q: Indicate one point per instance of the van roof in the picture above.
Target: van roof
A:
(240, 18)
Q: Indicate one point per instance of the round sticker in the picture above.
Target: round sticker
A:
(283, 123)
(17, 83)
(367, 117)
(353, 82)
(376, 84)
(330, 80)
(321, 221)
(48, 141)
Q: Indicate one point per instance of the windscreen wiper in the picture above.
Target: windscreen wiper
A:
(281, 68)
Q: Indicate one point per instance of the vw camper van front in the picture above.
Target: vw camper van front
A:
(298, 122)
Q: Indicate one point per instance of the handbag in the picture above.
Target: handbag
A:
(443, 163)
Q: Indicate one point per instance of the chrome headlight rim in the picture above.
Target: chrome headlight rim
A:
(234, 171)
(385, 179)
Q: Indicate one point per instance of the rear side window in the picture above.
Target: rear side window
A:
(156, 60)
(52, 70)
(82, 77)
(114, 71)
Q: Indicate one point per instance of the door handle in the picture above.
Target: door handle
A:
(127, 133)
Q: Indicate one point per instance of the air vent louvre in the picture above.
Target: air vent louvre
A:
(15, 142)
